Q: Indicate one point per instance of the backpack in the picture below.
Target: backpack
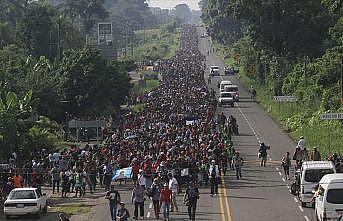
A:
(193, 194)
(213, 172)
(151, 192)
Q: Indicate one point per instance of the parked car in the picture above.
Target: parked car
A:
(226, 99)
(25, 201)
(329, 197)
(310, 174)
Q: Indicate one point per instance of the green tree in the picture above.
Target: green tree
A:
(35, 29)
(87, 10)
(44, 134)
(13, 112)
(286, 27)
(91, 86)
(183, 12)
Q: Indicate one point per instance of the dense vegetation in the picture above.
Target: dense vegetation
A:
(286, 48)
(159, 43)
(47, 73)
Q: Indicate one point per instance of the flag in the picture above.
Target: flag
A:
(124, 173)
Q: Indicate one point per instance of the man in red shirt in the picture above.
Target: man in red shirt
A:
(165, 200)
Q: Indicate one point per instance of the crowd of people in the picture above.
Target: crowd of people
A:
(302, 153)
(174, 143)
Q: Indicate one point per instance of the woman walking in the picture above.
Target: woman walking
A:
(191, 198)
(286, 164)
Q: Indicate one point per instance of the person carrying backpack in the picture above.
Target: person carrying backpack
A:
(238, 163)
(263, 153)
(113, 197)
(214, 177)
(154, 194)
(286, 164)
(191, 198)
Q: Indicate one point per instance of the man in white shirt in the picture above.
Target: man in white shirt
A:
(174, 187)
(302, 143)
(214, 175)
(141, 178)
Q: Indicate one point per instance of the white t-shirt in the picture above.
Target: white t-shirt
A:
(302, 144)
(141, 180)
(173, 185)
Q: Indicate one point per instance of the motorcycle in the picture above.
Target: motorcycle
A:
(295, 187)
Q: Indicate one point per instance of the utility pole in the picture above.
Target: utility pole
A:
(125, 38)
(132, 36)
(342, 79)
(58, 38)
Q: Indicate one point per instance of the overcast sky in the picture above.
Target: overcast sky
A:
(193, 4)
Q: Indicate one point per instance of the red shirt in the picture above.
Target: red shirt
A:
(166, 195)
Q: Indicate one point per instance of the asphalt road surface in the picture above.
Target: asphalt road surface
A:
(262, 193)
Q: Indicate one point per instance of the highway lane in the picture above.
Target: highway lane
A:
(207, 208)
(262, 194)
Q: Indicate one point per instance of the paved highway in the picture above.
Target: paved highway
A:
(263, 193)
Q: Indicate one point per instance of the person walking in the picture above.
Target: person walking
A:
(65, 184)
(155, 190)
(191, 198)
(263, 154)
(122, 213)
(55, 175)
(165, 200)
(18, 181)
(113, 197)
(286, 164)
(138, 200)
(214, 177)
(238, 163)
(315, 155)
(174, 187)
(63, 217)
(301, 143)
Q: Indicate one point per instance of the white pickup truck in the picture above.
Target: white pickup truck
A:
(226, 98)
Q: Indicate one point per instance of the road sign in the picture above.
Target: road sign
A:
(86, 123)
(105, 34)
(332, 116)
(285, 98)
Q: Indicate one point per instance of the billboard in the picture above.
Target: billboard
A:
(105, 34)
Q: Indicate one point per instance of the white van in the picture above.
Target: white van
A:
(223, 84)
(233, 89)
(310, 174)
(329, 197)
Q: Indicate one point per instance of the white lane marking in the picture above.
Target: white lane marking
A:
(150, 206)
(295, 200)
(301, 209)
(283, 179)
(148, 214)
(277, 169)
(306, 218)
(246, 119)
(280, 173)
